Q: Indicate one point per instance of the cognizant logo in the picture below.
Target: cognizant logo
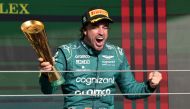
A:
(89, 81)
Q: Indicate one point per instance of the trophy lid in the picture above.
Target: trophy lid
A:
(32, 26)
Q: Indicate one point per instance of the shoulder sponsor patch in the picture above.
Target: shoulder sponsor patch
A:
(120, 50)
(66, 47)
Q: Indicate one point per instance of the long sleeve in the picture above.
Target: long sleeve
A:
(128, 85)
(60, 65)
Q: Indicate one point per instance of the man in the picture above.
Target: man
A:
(93, 67)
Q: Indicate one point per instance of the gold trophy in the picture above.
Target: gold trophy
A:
(35, 33)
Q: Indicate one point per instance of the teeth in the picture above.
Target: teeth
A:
(100, 38)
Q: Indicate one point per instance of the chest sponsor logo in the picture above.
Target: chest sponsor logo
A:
(108, 60)
(94, 92)
(108, 63)
(82, 61)
(82, 56)
(98, 80)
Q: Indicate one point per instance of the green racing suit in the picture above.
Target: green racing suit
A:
(92, 75)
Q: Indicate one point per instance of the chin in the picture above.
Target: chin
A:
(99, 49)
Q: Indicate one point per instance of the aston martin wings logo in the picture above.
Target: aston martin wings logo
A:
(107, 56)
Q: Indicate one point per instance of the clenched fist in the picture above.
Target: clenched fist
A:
(154, 78)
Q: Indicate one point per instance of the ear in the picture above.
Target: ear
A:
(84, 32)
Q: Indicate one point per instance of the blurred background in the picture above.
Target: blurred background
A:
(62, 20)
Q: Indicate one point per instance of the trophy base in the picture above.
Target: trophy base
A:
(57, 82)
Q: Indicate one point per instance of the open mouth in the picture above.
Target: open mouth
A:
(99, 41)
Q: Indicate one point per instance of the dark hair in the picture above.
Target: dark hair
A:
(82, 29)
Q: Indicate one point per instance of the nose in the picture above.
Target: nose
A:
(100, 30)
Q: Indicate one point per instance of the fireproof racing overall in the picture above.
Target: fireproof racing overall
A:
(96, 83)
